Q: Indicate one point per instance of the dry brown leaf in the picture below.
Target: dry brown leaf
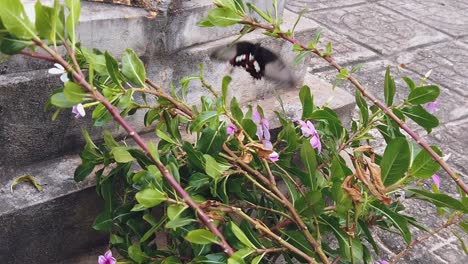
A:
(351, 189)
(246, 157)
(363, 149)
(261, 150)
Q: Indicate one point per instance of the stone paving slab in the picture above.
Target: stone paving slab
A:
(378, 28)
(448, 16)
(311, 5)
(448, 61)
(345, 51)
(371, 75)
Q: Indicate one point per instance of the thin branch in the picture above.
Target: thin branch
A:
(451, 221)
(208, 222)
(289, 206)
(160, 93)
(37, 55)
(455, 176)
(262, 227)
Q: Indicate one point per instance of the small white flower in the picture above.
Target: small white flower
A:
(58, 69)
(78, 110)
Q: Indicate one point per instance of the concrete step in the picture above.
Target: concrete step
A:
(54, 225)
(116, 27)
(42, 138)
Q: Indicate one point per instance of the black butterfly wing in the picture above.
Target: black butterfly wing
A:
(256, 60)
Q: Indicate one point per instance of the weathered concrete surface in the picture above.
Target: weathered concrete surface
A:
(172, 68)
(346, 51)
(448, 61)
(423, 36)
(377, 27)
(448, 16)
(46, 226)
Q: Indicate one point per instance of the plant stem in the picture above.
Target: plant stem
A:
(286, 203)
(208, 222)
(453, 220)
(262, 227)
(455, 176)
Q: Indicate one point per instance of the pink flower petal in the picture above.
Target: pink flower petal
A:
(256, 116)
(108, 254)
(436, 180)
(102, 260)
(274, 156)
(231, 129)
(267, 144)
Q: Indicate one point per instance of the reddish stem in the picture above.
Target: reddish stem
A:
(208, 222)
(455, 176)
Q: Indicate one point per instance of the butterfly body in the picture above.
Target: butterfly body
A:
(257, 61)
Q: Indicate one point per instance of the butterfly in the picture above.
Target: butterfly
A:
(256, 60)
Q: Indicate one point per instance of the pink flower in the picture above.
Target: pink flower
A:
(308, 130)
(107, 258)
(315, 143)
(274, 156)
(267, 144)
(78, 110)
(263, 126)
(382, 262)
(231, 129)
(436, 180)
(432, 106)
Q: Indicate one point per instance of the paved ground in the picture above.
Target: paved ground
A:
(423, 35)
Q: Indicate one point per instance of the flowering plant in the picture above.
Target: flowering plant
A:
(240, 192)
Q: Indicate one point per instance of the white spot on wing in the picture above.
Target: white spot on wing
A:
(256, 66)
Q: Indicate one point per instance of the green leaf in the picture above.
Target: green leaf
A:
(150, 197)
(424, 94)
(310, 163)
(236, 110)
(398, 221)
(224, 88)
(423, 118)
(74, 93)
(121, 155)
(205, 23)
(267, 18)
(211, 141)
(60, 100)
(258, 258)
(153, 150)
(202, 119)
(135, 253)
(213, 168)
(410, 83)
(83, 170)
(48, 23)
(389, 88)
(74, 8)
(239, 256)
(10, 45)
(174, 211)
(363, 107)
(223, 17)
(241, 236)
(179, 222)
(440, 200)
(112, 68)
(307, 102)
(103, 222)
(423, 165)
(164, 136)
(395, 161)
(15, 20)
(133, 68)
(201, 236)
